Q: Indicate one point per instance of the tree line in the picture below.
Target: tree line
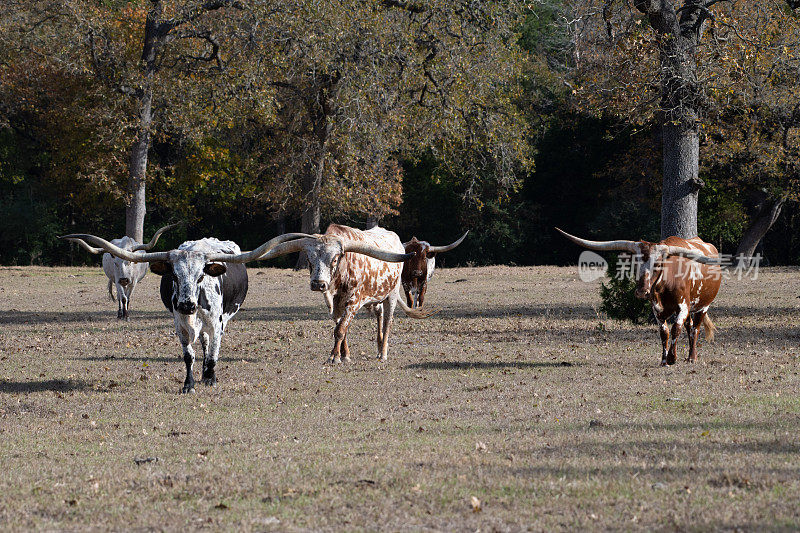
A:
(246, 118)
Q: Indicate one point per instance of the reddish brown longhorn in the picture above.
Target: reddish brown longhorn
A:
(680, 277)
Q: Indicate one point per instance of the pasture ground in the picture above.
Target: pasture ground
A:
(516, 394)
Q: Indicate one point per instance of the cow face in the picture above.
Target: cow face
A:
(188, 271)
(324, 255)
(650, 268)
(417, 266)
(123, 271)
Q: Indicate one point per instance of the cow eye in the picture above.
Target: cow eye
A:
(201, 278)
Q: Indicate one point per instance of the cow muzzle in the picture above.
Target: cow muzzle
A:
(124, 282)
(416, 273)
(186, 308)
(320, 286)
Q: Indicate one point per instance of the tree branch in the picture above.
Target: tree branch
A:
(191, 15)
(411, 7)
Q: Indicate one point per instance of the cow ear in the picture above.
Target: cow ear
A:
(160, 267)
(215, 269)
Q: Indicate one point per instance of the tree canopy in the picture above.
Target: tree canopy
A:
(247, 117)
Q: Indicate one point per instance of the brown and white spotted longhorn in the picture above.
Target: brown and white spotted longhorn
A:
(680, 277)
(353, 269)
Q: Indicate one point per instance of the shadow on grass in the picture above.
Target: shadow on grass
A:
(453, 365)
(46, 317)
(51, 385)
(109, 317)
(162, 359)
(561, 311)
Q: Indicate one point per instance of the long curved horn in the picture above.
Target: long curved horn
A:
(440, 249)
(86, 247)
(288, 248)
(262, 251)
(116, 250)
(693, 255)
(602, 246)
(154, 240)
(377, 253)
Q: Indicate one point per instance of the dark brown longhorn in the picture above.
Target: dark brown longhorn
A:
(680, 278)
(418, 270)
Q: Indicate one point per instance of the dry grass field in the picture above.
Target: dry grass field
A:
(516, 394)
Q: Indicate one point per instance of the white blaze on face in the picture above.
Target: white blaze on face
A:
(122, 269)
(187, 268)
(647, 269)
(323, 259)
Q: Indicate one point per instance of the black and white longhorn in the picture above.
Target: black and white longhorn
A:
(203, 284)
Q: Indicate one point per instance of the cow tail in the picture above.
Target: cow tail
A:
(415, 313)
(110, 292)
(709, 327)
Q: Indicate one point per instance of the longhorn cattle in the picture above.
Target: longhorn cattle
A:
(355, 268)
(203, 285)
(418, 270)
(680, 278)
(123, 274)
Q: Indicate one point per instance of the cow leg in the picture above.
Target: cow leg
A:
(683, 314)
(421, 295)
(379, 314)
(128, 294)
(210, 357)
(188, 358)
(204, 345)
(409, 299)
(388, 314)
(663, 330)
(693, 329)
(345, 349)
(339, 334)
(122, 301)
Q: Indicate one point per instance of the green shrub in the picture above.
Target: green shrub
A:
(618, 297)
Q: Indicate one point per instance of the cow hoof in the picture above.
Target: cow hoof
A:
(346, 359)
(210, 382)
(188, 389)
(381, 357)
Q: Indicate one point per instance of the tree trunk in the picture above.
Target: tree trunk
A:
(767, 216)
(280, 222)
(681, 154)
(310, 219)
(136, 208)
(678, 31)
(137, 172)
(311, 214)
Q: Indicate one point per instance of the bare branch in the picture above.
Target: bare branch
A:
(411, 7)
